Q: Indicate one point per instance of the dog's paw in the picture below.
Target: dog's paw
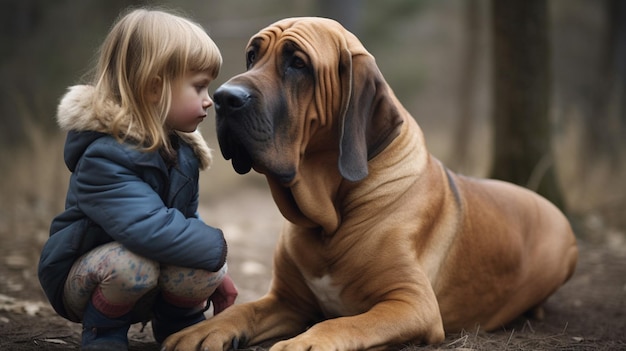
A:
(204, 337)
(304, 343)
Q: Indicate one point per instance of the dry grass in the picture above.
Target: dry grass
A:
(33, 183)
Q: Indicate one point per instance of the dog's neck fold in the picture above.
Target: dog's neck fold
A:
(310, 201)
(313, 200)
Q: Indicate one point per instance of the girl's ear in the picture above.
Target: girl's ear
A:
(155, 89)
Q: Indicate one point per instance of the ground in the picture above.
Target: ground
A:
(588, 313)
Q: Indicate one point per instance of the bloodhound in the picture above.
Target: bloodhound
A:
(382, 245)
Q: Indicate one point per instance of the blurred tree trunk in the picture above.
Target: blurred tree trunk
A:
(522, 86)
(467, 82)
(18, 19)
(607, 120)
(618, 22)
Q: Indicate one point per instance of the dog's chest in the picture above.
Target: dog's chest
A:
(328, 295)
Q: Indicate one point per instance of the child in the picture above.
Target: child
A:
(129, 246)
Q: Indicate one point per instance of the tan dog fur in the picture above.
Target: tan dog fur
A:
(382, 244)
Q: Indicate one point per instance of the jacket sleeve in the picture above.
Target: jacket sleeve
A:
(113, 195)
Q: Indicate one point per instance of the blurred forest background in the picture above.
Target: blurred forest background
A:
(532, 91)
(437, 55)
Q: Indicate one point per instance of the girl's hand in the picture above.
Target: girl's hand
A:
(224, 296)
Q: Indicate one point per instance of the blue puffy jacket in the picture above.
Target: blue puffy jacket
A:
(117, 192)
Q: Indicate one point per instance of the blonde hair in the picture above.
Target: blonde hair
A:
(147, 49)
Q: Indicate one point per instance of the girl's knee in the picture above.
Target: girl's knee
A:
(131, 272)
(189, 283)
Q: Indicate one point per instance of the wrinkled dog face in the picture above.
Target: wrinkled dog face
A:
(260, 113)
(311, 91)
(287, 100)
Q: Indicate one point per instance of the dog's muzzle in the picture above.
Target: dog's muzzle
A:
(248, 131)
(231, 105)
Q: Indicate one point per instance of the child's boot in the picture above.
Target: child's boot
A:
(169, 319)
(102, 333)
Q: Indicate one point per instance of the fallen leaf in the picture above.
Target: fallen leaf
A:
(55, 341)
(16, 261)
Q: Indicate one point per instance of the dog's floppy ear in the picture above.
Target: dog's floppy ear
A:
(369, 118)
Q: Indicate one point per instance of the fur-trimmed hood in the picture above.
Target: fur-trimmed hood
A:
(77, 113)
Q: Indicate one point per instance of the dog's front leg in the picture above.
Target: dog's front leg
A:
(391, 322)
(240, 325)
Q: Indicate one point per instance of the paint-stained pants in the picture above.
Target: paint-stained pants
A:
(119, 281)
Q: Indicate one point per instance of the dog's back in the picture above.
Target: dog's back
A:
(513, 250)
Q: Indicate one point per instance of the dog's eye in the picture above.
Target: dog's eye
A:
(297, 63)
(250, 57)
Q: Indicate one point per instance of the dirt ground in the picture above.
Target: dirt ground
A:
(588, 313)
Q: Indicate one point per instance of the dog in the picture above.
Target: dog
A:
(382, 244)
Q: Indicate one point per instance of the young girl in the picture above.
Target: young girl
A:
(129, 246)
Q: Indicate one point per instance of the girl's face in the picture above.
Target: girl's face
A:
(190, 100)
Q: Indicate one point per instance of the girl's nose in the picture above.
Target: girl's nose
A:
(207, 102)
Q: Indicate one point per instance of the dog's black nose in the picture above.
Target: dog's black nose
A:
(230, 97)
